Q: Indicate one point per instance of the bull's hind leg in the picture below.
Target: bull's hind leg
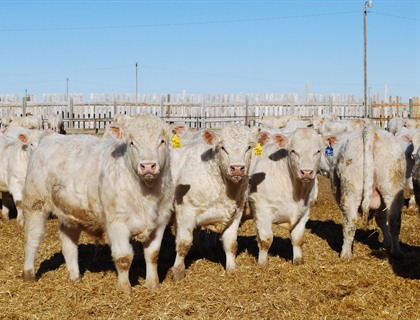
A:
(122, 252)
(34, 233)
(393, 221)
(69, 239)
(349, 213)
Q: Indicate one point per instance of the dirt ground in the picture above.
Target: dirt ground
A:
(372, 285)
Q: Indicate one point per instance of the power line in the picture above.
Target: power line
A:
(394, 15)
(179, 23)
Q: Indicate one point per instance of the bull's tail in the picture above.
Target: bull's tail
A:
(368, 169)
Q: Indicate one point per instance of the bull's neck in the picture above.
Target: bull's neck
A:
(302, 188)
(235, 190)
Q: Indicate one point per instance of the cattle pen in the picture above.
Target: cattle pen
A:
(202, 110)
(373, 284)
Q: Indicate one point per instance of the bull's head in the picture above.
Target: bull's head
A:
(145, 140)
(234, 144)
(304, 152)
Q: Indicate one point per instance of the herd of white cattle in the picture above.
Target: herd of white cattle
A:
(144, 174)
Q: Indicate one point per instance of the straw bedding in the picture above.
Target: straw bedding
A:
(372, 285)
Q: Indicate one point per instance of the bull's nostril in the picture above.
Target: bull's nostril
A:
(237, 170)
(306, 173)
(153, 166)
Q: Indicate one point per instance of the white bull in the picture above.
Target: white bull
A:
(367, 170)
(211, 188)
(16, 146)
(283, 188)
(120, 188)
(28, 122)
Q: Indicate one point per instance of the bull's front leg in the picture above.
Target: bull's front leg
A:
(16, 187)
(230, 243)
(296, 236)
(6, 203)
(185, 224)
(122, 252)
(151, 254)
(264, 226)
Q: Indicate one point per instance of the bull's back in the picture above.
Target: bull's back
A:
(63, 174)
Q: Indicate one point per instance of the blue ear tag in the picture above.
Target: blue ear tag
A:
(329, 151)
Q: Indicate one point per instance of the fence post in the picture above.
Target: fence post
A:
(411, 108)
(71, 122)
(246, 111)
(24, 102)
(203, 112)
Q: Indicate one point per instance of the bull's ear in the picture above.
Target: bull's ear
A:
(115, 131)
(178, 128)
(23, 138)
(210, 137)
(281, 140)
(330, 140)
(263, 137)
(407, 138)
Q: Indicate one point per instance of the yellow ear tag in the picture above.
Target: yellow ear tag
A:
(258, 150)
(176, 142)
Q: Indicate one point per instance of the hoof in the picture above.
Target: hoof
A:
(298, 261)
(20, 221)
(346, 255)
(77, 279)
(28, 275)
(178, 273)
(126, 288)
(152, 282)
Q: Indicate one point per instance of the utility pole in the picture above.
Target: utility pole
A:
(365, 5)
(137, 88)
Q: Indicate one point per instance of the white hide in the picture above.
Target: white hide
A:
(367, 173)
(120, 188)
(283, 187)
(211, 179)
(16, 145)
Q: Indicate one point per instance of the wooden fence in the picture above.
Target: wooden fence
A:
(201, 110)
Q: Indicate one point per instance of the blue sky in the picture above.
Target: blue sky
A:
(208, 47)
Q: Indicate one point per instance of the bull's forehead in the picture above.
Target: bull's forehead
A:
(305, 139)
(235, 136)
(145, 129)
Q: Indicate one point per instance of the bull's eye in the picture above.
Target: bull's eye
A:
(223, 148)
(162, 141)
(131, 144)
(249, 148)
(294, 152)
